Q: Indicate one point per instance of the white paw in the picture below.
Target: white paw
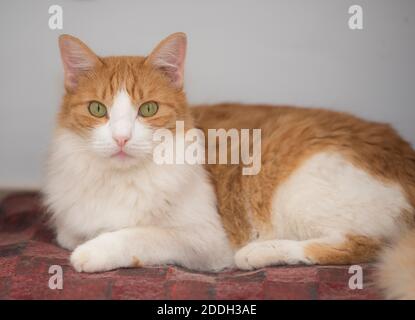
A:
(252, 256)
(103, 253)
(265, 253)
(90, 258)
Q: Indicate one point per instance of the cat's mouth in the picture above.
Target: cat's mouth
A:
(121, 155)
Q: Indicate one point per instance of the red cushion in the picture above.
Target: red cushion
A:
(27, 250)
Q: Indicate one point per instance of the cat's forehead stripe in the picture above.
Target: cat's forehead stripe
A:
(122, 114)
(122, 104)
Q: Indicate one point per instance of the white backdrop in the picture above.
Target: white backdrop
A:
(293, 51)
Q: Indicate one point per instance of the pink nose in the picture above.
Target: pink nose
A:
(121, 141)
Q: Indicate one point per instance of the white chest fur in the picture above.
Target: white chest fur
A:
(87, 198)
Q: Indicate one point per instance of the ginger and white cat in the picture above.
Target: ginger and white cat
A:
(332, 188)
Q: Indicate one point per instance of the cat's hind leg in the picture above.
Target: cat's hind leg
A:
(328, 250)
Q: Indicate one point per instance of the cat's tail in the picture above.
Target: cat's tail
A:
(396, 270)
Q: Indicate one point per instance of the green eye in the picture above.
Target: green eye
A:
(148, 109)
(97, 109)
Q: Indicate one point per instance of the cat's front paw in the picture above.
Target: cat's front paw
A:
(106, 252)
(90, 258)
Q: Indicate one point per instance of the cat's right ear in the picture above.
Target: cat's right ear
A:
(169, 57)
(77, 59)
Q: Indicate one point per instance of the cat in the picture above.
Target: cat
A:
(332, 189)
(395, 275)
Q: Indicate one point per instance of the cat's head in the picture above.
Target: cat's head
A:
(115, 104)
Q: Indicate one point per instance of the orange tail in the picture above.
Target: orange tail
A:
(396, 273)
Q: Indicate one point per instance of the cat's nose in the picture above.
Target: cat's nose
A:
(121, 141)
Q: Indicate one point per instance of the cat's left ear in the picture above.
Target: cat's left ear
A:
(77, 59)
(169, 57)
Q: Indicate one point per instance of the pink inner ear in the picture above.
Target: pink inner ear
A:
(71, 81)
(173, 73)
(76, 59)
(74, 66)
(169, 58)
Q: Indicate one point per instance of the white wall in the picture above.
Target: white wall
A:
(292, 51)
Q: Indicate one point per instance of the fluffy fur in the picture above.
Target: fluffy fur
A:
(396, 269)
(332, 189)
